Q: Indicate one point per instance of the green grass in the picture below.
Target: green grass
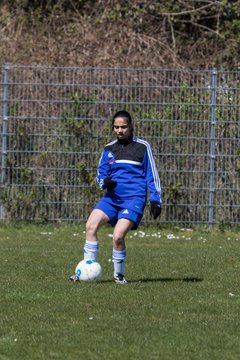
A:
(182, 300)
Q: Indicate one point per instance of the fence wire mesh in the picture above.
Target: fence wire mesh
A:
(55, 122)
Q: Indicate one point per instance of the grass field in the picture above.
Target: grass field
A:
(182, 300)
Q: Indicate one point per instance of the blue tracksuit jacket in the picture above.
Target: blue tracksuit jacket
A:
(131, 164)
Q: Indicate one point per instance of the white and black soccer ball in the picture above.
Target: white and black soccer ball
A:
(88, 270)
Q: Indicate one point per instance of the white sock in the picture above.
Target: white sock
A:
(119, 257)
(91, 250)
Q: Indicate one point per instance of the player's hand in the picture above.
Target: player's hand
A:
(155, 209)
(109, 184)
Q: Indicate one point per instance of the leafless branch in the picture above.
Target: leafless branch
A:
(189, 11)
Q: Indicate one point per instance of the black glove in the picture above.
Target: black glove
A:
(156, 209)
(109, 184)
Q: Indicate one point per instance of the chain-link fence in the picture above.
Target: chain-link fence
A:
(55, 122)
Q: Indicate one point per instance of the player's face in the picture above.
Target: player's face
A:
(121, 128)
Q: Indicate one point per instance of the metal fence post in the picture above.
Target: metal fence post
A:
(4, 135)
(212, 146)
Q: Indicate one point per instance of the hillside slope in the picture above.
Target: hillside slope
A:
(182, 34)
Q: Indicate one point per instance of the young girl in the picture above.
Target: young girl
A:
(126, 170)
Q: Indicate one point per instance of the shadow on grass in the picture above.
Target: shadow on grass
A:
(149, 280)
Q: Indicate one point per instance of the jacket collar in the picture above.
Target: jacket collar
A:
(126, 141)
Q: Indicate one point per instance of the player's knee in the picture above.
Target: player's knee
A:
(91, 227)
(117, 240)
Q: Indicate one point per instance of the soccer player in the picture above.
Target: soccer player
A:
(126, 171)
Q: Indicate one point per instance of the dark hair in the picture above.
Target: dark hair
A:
(125, 115)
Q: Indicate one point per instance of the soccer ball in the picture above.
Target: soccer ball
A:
(88, 270)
